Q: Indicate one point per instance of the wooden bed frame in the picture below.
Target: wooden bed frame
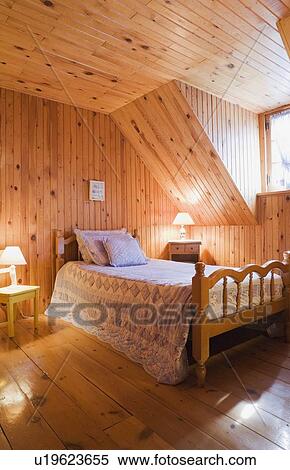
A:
(203, 329)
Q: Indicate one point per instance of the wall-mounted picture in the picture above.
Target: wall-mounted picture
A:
(97, 190)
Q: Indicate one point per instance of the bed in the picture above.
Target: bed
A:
(148, 312)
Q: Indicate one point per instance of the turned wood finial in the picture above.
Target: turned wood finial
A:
(200, 269)
(135, 233)
(286, 257)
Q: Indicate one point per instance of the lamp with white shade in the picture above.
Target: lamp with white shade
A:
(182, 219)
(12, 256)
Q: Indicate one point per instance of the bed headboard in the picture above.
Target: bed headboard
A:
(66, 249)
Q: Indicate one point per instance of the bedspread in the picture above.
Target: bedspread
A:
(142, 311)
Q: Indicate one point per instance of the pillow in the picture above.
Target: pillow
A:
(97, 252)
(124, 251)
(83, 237)
(96, 249)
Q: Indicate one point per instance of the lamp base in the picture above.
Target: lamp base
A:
(13, 277)
(12, 271)
(182, 232)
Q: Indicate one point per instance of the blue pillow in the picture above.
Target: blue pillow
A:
(124, 251)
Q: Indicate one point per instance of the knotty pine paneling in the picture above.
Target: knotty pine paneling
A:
(243, 244)
(46, 158)
(170, 139)
(48, 153)
(234, 132)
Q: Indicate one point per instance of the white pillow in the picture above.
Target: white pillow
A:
(124, 251)
(85, 236)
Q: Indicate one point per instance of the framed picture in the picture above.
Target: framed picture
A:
(97, 190)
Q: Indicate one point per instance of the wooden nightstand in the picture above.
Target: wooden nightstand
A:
(11, 295)
(186, 251)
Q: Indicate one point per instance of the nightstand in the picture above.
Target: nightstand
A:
(13, 294)
(186, 251)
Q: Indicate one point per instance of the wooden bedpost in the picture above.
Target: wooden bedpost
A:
(286, 279)
(66, 249)
(135, 234)
(200, 339)
(59, 251)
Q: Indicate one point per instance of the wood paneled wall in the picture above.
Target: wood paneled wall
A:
(234, 131)
(171, 140)
(48, 153)
(239, 245)
(47, 156)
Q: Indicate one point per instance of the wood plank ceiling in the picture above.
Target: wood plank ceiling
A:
(182, 158)
(103, 54)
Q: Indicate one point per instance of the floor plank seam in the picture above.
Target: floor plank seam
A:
(160, 402)
(62, 390)
(72, 345)
(205, 404)
(5, 435)
(29, 401)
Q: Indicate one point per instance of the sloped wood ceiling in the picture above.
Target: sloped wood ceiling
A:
(103, 54)
(284, 29)
(234, 132)
(165, 131)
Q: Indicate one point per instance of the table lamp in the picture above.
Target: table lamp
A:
(182, 219)
(12, 255)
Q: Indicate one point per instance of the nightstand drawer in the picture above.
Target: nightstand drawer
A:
(176, 248)
(194, 248)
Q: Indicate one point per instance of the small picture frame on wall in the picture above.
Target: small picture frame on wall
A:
(97, 190)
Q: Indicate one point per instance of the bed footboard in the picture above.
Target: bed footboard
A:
(203, 328)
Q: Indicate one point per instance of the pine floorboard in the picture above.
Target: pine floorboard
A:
(64, 389)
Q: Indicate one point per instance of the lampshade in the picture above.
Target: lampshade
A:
(183, 218)
(12, 255)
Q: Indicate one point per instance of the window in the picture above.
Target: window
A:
(278, 150)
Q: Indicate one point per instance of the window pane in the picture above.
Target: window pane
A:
(280, 151)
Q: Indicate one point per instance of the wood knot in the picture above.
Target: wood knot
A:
(135, 126)
(48, 3)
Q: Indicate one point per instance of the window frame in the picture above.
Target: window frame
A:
(266, 149)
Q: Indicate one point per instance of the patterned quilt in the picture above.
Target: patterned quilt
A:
(144, 313)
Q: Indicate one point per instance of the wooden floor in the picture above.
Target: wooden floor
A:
(66, 390)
